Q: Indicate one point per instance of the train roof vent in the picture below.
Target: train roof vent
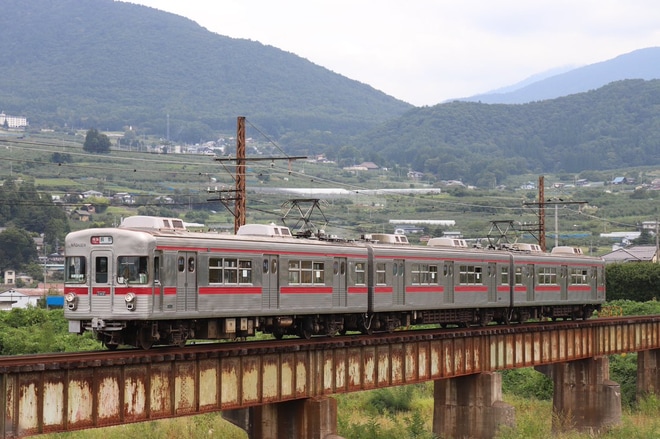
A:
(447, 242)
(152, 223)
(567, 250)
(264, 230)
(526, 247)
(386, 238)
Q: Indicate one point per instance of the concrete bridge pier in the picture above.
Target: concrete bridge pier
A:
(648, 372)
(470, 407)
(585, 399)
(310, 418)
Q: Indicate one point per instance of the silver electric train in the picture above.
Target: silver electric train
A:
(150, 281)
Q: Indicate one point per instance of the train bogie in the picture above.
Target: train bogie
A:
(152, 282)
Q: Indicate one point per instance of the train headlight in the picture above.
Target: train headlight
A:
(71, 301)
(130, 301)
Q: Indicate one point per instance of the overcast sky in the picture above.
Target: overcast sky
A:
(427, 51)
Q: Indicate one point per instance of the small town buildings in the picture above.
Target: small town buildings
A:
(634, 253)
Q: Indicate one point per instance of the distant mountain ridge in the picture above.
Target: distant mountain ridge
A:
(613, 127)
(110, 64)
(639, 64)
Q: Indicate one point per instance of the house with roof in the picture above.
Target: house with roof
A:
(633, 253)
(13, 298)
(620, 180)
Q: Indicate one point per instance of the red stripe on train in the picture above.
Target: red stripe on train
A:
(306, 290)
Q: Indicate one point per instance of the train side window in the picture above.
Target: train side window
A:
(181, 264)
(75, 269)
(191, 264)
(266, 265)
(342, 268)
(433, 274)
(470, 275)
(547, 276)
(360, 273)
(381, 273)
(215, 271)
(504, 279)
(273, 267)
(519, 275)
(101, 269)
(415, 270)
(335, 267)
(245, 272)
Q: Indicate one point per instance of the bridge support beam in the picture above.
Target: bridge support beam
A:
(648, 372)
(470, 407)
(311, 418)
(585, 399)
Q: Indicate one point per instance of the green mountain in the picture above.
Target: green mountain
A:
(109, 65)
(614, 127)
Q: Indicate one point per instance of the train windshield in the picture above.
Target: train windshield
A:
(132, 269)
(76, 268)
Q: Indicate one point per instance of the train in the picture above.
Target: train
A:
(153, 281)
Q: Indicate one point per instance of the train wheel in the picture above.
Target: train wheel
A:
(278, 333)
(306, 334)
(144, 339)
(111, 346)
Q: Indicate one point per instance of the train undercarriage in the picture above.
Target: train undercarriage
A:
(145, 334)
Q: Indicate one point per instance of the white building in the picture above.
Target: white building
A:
(11, 299)
(12, 121)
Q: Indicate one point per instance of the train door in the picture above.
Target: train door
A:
(492, 280)
(448, 281)
(399, 282)
(270, 290)
(186, 291)
(101, 280)
(563, 281)
(339, 283)
(158, 282)
(528, 277)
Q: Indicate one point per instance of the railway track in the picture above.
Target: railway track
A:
(74, 360)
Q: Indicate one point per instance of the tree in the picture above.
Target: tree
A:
(96, 142)
(17, 248)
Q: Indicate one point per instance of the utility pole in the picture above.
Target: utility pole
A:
(239, 213)
(239, 193)
(541, 205)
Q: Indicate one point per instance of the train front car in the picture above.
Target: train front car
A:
(109, 283)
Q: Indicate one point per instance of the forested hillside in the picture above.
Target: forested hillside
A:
(614, 127)
(108, 65)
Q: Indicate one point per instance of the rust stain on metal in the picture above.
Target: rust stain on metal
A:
(208, 385)
(53, 400)
(135, 393)
(160, 395)
(287, 374)
(113, 390)
(384, 366)
(250, 380)
(230, 383)
(270, 378)
(108, 404)
(80, 399)
(340, 370)
(185, 378)
(397, 361)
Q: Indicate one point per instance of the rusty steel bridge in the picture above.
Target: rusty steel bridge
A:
(248, 381)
